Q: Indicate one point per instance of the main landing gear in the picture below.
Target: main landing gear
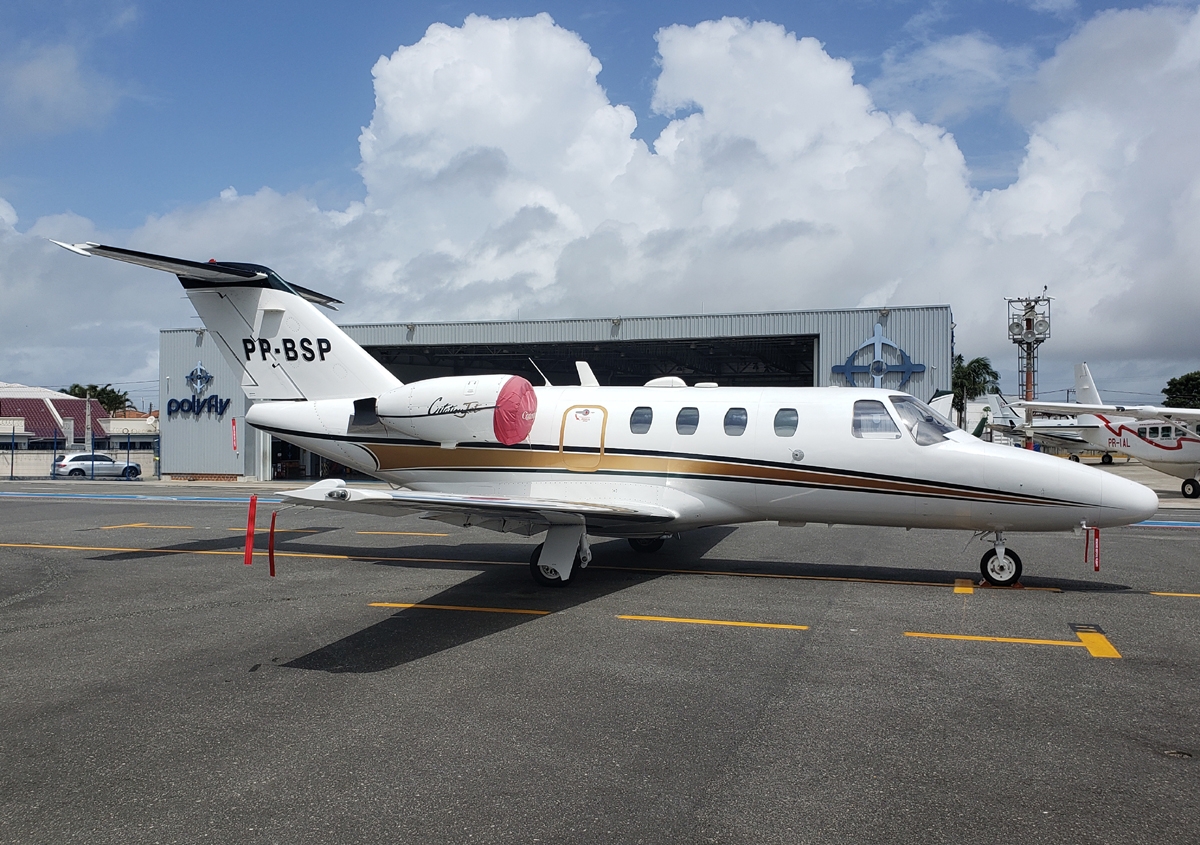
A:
(565, 552)
(1191, 488)
(1000, 566)
(646, 545)
(1106, 458)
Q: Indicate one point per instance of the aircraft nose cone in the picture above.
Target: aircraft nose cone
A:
(1126, 502)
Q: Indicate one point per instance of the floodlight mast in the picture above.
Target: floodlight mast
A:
(1028, 328)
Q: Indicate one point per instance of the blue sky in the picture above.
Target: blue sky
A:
(274, 93)
(914, 153)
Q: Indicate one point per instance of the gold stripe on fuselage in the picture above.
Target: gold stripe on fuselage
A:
(426, 458)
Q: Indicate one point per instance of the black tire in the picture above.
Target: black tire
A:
(1075, 458)
(646, 545)
(1191, 488)
(544, 575)
(131, 472)
(1106, 458)
(1001, 574)
(77, 473)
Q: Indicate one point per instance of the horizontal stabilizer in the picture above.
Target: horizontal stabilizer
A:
(211, 273)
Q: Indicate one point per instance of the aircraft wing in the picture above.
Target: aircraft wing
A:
(1140, 412)
(499, 513)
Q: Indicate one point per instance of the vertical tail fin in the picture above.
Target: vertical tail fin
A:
(270, 331)
(1085, 388)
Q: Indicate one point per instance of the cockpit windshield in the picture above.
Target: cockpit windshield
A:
(925, 425)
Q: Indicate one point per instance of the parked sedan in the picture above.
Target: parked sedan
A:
(80, 466)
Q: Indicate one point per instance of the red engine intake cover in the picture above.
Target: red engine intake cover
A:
(516, 407)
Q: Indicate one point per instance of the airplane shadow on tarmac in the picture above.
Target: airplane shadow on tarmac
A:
(413, 633)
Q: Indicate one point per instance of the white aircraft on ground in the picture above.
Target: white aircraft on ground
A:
(640, 463)
(1059, 432)
(1165, 439)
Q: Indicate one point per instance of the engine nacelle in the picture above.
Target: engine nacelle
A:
(461, 409)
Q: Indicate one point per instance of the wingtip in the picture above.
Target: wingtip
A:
(78, 249)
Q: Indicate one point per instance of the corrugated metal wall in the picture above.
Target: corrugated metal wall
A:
(204, 443)
(924, 332)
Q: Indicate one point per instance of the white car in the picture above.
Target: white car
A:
(80, 465)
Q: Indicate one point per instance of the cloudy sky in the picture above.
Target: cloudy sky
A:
(487, 160)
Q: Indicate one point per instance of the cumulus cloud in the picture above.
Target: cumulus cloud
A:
(952, 77)
(46, 90)
(500, 177)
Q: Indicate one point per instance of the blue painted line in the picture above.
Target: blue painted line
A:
(1167, 523)
(138, 497)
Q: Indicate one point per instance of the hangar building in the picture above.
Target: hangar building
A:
(910, 348)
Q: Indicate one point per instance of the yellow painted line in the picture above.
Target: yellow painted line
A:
(242, 530)
(963, 585)
(844, 579)
(1095, 642)
(142, 525)
(404, 533)
(715, 622)
(241, 552)
(1178, 595)
(423, 606)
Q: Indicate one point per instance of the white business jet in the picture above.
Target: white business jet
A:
(635, 462)
(1165, 439)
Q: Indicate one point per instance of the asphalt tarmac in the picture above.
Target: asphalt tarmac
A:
(157, 690)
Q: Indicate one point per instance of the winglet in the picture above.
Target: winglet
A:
(78, 249)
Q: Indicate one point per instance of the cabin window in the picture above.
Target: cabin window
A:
(735, 421)
(640, 419)
(786, 420)
(1153, 432)
(925, 425)
(687, 420)
(873, 422)
(1142, 431)
(1166, 432)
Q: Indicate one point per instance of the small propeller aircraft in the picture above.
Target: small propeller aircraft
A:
(1165, 439)
(640, 463)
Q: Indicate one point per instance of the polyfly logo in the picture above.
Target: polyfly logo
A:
(198, 381)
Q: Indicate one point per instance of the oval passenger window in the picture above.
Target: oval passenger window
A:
(640, 419)
(786, 420)
(687, 420)
(735, 421)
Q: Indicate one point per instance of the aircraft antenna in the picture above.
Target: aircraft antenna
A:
(540, 373)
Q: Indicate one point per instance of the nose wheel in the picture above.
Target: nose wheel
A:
(1001, 567)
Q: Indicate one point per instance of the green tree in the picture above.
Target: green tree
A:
(1183, 392)
(111, 399)
(969, 380)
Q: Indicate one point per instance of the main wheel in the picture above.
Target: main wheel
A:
(547, 576)
(1191, 488)
(1001, 573)
(1075, 458)
(646, 545)
(1106, 458)
(77, 473)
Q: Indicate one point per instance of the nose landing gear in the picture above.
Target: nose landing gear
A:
(1001, 567)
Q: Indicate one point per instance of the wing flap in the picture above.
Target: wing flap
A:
(472, 510)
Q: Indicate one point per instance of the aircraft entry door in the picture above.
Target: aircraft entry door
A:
(581, 437)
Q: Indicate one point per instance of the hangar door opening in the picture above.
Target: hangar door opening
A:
(777, 361)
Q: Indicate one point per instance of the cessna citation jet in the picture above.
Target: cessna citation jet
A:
(1165, 439)
(640, 463)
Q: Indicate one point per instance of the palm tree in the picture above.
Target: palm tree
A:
(971, 380)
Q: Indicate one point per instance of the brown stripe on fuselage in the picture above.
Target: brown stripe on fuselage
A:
(417, 458)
